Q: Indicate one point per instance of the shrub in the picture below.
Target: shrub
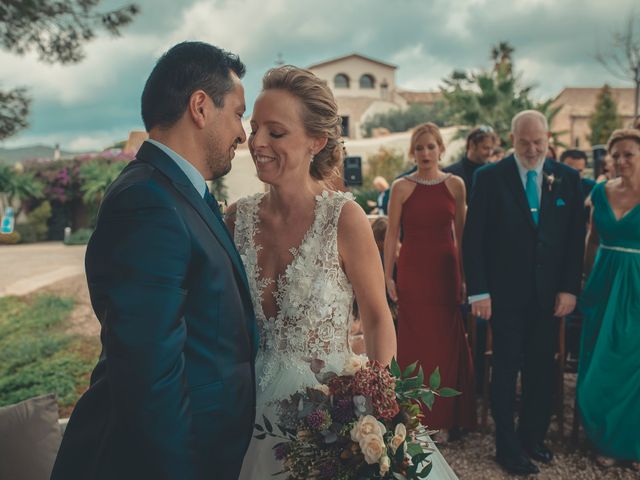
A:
(36, 228)
(10, 238)
(79, 237)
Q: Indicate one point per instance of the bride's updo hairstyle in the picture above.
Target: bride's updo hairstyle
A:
(319, 114)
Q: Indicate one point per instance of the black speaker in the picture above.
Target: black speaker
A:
(599, 152)
(353, 171)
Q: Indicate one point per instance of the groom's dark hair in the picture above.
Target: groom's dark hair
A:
(185, 68)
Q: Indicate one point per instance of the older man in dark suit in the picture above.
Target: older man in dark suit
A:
(523, 246)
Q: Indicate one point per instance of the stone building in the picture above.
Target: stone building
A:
(578, 104)
(363, 87)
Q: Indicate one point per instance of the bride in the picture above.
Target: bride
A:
(307, 250)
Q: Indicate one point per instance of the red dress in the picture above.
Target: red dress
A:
(430, 327)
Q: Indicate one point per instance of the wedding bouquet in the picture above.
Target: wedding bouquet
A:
(364, 423)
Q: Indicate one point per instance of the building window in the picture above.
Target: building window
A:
(345, 126)
(341, 81)
(367, 81)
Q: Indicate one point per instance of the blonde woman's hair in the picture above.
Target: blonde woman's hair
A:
(623, 134)
(430, 128)
(319, 115)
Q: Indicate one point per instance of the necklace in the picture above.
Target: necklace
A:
(426, 181)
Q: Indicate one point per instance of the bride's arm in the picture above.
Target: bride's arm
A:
(361, 263)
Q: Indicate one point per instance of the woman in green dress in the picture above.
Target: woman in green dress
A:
(609, 369)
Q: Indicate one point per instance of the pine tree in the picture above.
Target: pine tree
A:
(605, 119)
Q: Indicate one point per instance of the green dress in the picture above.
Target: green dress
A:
(609, 369)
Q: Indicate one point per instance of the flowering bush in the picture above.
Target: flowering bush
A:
(362, 424)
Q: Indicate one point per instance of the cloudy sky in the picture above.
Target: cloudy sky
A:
(95, 103)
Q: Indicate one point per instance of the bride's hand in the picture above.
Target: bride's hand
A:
(391, 289)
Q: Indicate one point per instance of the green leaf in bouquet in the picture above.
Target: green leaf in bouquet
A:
(428, 398)
(414, 449)
(412, 383)
(395, 368)
(282, 429)
(434, 379)
(267, 424)
(446, 392)
(258, 427)
(260, 436)
(424, 473)
(420, 377)
(409, 370)
(398, 457)
(419, 458)
(399, 476)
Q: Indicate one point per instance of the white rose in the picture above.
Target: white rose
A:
(367, 425)
(372, 447)
(398, 438)
(322, 388)
(354, 364)
(385, 465)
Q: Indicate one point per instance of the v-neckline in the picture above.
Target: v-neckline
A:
(282, 279)
(613, 214)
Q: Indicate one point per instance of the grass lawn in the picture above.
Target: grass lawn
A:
(38, 356)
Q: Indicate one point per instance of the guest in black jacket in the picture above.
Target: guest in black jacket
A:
(480, 143)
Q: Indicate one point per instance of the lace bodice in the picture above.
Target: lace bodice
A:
(313, 296)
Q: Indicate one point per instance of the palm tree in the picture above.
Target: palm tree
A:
(501, 56)
(18, 186)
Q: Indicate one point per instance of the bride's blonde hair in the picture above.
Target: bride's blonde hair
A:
(319, 114)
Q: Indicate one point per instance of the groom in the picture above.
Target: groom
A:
(172, 395)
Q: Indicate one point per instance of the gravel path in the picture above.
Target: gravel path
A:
(472, 457)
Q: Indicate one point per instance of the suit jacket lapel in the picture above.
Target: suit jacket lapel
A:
(515, 185)
(151, 154)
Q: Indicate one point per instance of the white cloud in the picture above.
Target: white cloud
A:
(72, 84)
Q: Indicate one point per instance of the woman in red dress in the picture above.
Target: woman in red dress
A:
(429, 205)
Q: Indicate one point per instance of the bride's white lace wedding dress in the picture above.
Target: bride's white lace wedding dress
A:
(314, 302)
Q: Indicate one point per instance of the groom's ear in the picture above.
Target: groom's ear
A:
(198, 107)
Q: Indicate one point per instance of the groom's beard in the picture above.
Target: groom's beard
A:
(219, 159)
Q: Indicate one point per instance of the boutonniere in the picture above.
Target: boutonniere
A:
(551, 180)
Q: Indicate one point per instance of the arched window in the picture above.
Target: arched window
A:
(367, 81)
(341, 81)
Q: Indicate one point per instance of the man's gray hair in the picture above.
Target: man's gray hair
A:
(531, 114)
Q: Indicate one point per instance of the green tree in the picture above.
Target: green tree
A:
(401, 120)
(605, 119)
(56, 30)
(387, 163)
(96, 176)
(488, 97)
(16, 185)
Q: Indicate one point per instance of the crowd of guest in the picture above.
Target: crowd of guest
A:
(503, 236)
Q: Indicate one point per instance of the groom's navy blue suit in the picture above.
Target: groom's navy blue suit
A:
(523, 266)
(173, 394)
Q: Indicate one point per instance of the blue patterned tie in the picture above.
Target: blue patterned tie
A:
(532, 195)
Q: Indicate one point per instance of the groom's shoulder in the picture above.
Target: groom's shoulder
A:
(139, 185)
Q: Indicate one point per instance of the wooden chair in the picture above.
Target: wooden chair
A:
(559, 358)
